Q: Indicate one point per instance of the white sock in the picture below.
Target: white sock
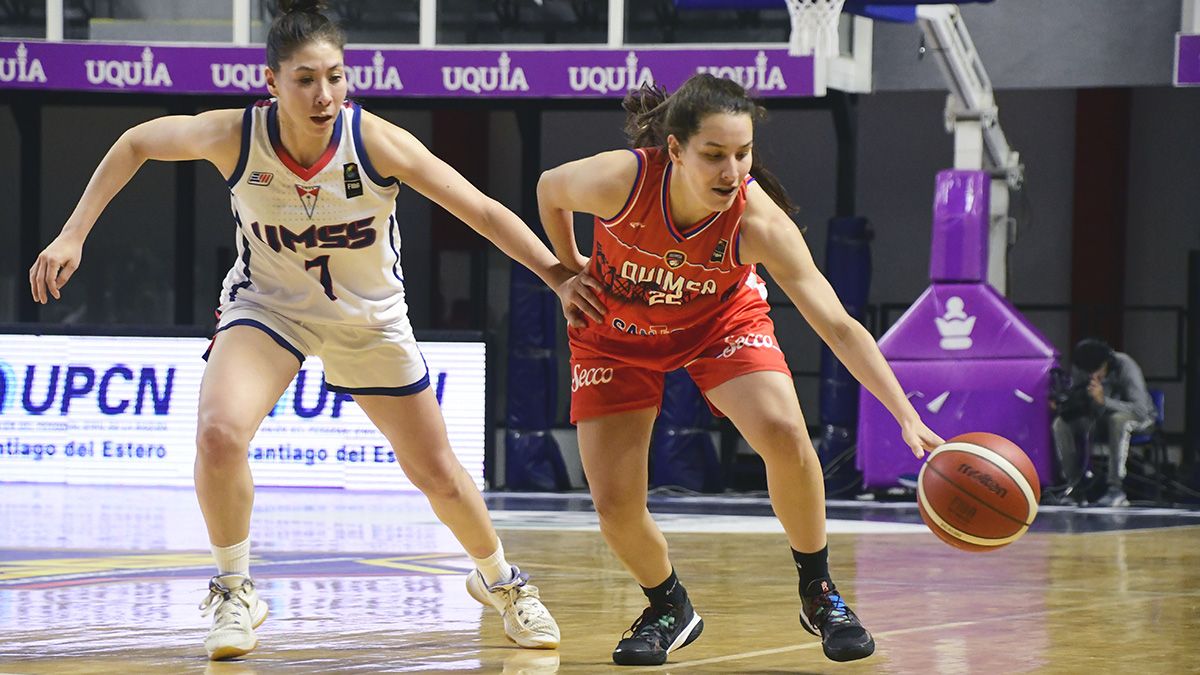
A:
(494, 569)
(233, 559)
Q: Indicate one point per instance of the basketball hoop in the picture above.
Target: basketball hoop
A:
(814, 27)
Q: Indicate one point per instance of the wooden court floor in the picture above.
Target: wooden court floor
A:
(97, 580)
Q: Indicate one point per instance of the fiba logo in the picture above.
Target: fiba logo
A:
(586, 377)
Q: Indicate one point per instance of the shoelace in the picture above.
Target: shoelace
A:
(525, 600)
(836, 611)
(653, 622)
(219, 597)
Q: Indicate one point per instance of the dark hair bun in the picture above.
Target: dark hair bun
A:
(644, 99)
(310, 6)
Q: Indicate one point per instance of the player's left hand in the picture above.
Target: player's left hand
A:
(580, 296)
(919, 437)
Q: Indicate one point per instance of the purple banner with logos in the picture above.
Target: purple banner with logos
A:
(1187, 60)
(460, 73)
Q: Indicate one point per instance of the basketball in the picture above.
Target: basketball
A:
(978, 492)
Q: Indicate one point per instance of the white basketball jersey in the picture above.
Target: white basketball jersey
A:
(317, 244)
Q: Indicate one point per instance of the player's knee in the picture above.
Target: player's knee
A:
(612, 508)
(220, 441)
(438, 480)
(781, 438)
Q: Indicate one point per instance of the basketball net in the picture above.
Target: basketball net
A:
(814, 27)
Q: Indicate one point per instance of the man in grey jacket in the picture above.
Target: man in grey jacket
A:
(1108, 397)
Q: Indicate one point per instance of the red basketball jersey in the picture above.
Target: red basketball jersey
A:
(660, 276)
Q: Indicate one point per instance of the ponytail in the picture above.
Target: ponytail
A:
(651, 115)
(644, 109)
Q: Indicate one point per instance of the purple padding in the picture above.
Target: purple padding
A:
(1009, 397)
(963, 321)
(961, 204)
(1187, 60)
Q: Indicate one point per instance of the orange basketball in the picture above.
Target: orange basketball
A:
(978, 492)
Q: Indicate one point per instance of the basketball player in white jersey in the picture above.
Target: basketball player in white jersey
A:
(314, 181)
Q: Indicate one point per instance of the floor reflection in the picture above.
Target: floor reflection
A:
(101, 580)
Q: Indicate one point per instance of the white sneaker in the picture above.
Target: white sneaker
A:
(527, 622)
(1115, 497)
(237, 611)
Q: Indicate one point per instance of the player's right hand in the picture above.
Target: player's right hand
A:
(919, 438)
(54, 267)
(580, 297)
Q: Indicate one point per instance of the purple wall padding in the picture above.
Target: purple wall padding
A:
(959, 249)
(1009, 397)
(965, 357)
(963, 321)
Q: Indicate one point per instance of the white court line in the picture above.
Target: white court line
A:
(684, 665)
(587, 521)
(149, 571)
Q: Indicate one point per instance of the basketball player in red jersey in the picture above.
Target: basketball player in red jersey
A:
(681, 221)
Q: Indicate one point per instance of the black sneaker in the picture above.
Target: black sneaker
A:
(824, 613)
(656, 633)
(1068, 498)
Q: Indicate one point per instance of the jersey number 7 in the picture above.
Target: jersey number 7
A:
(322, 261)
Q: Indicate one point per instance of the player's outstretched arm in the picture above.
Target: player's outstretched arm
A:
(397, 153)
(771, 238)
(213, 136)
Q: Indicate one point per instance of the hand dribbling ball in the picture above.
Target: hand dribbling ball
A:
(978, 492)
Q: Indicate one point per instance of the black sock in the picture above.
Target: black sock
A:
(812, 566)
(669, 592)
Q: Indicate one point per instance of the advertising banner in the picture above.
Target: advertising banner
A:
(432, 73)
(122, 411)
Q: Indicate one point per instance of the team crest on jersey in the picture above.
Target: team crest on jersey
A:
(351, 179)
(719, 252)
(262, 178)
(308, 197)
(674, 259)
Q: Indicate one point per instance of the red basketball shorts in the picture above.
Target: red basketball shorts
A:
(612, 372)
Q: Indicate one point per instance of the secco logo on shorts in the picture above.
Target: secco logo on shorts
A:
(733, 344)
(586, 377)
